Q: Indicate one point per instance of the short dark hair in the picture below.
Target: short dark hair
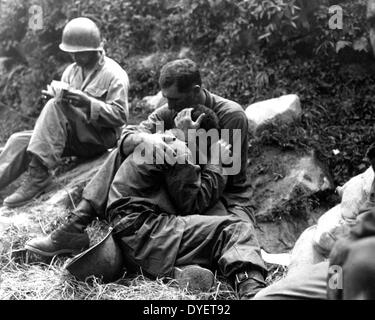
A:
(210, 120)
(184, 72)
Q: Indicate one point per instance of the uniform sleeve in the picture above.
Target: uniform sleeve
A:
(194, 189)
(151, 125)
(114, 111)
(155, 122)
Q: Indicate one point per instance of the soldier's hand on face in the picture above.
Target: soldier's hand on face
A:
(77, 98)
(184, 122)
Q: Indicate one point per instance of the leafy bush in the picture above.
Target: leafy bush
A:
(248, 51)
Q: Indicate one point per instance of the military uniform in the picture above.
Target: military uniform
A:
(162, 223)
(235, 200)
(237, 193)
(64, 130)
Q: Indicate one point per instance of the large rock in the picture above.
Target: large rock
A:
(278, 177)
(283, 183)
(69, 186)
(285, 108)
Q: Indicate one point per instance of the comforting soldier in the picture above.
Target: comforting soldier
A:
(85, 122)
(161, 209)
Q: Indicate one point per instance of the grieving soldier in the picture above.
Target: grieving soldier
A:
(84, 119)
(161, 209)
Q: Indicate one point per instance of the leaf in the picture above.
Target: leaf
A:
(360, 44)
(342, 44)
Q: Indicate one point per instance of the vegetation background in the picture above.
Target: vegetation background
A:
(248, 51)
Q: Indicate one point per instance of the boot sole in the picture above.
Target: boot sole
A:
(54, 253)
(22, 203)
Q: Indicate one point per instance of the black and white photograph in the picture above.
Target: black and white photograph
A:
(261, 111)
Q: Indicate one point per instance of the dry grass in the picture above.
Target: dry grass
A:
(40, 281)
(22, 278)
(49, 280)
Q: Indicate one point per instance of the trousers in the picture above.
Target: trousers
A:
(61, 130)
(157, 241)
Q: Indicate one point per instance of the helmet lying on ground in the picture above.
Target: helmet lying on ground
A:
(103, 260)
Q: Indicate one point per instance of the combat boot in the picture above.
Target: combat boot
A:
(249, 283)
(36, 181)
(194, 277)
(69, 238)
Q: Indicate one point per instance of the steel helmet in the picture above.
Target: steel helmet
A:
(81, 34)
(104, 260)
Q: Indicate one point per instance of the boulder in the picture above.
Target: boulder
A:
(283, 182)
(69, 186)
(286, 108)
(278, 177)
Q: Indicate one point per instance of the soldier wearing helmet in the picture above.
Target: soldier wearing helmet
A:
(83, 117)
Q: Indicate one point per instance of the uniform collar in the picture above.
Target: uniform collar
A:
(97, 67)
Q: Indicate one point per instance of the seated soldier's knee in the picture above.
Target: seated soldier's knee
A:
(52, 109)
(359, 270)
(19, 139)
(51, 103)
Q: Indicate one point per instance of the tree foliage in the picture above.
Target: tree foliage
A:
(248, 51)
